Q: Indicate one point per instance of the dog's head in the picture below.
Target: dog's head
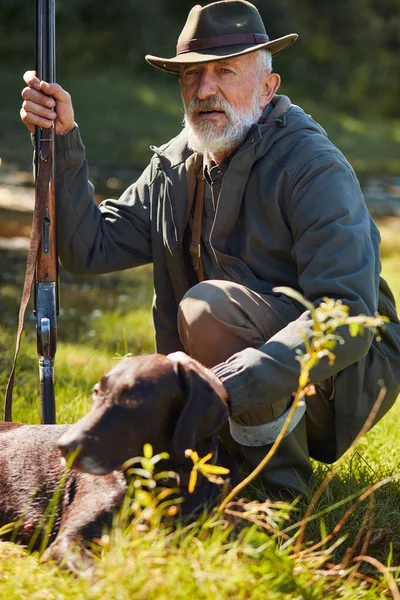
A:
(145, 399)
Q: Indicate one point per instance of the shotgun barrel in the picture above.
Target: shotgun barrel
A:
(46, 284)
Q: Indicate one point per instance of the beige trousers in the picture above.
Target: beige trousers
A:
(217, 318)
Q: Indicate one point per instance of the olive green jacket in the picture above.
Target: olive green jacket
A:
(290, 213)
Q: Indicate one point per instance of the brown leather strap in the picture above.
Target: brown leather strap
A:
(217, 41)
(195, 245)
(41, 193)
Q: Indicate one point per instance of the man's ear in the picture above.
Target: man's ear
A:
(270, 87)
(203, 412)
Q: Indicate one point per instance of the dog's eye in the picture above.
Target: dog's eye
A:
(127, 400)
(97, 395)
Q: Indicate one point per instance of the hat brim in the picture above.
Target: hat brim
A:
(173, 65)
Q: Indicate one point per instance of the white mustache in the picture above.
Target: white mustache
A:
(196, 105)
(206, 135)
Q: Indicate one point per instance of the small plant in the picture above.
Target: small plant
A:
(149, 499)
(327, 318)
(203, 466)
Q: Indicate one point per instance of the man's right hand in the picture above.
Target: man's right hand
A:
(45, 104)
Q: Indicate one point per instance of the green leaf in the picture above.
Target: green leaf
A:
(205, 458)
(162, 456)
(192, 481)
(148, 451)
(147, 464)
(354, 328)
(214, 470)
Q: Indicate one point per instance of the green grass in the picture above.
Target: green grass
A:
(121, 114)
(202, 563)
(218, 556)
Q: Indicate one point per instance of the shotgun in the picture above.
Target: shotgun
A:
(46, 305)
(42, 263)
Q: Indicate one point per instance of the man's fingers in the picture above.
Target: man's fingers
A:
(37, 90)
(55, 90)
(44, 104)
(31, 120)
(36, 109)
(33, 95)
(40, 111)
(25, 121)
(31, 79)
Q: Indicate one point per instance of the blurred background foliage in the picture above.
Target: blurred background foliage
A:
(344, 70)
(348, 51)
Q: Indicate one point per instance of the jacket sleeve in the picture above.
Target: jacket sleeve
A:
(98, 239)
(335, 257)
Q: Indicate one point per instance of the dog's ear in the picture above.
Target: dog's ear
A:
(203, 412)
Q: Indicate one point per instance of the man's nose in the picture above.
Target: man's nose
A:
(206, 86)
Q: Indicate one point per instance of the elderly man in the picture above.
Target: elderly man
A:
(250, 195)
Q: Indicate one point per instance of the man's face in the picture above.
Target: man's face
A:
(222, 100)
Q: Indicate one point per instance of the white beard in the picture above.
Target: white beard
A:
(207, 136)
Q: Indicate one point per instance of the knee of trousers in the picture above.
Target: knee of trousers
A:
(203, 299)
(207, 309)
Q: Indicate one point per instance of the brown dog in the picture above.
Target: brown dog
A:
(142, 399)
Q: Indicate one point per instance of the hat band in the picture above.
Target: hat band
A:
(233, 39)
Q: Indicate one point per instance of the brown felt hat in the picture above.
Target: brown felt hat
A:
(220, 30)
